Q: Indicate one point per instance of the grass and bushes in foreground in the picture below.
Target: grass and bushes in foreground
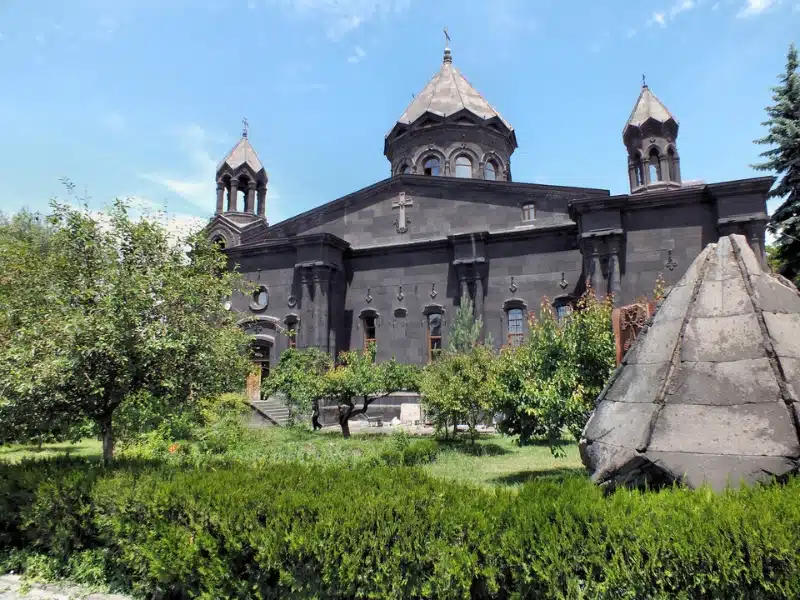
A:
(309, 531)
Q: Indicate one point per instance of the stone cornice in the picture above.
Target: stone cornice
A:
(401, 182)
(671, 197)
(447, 242)
(750, 218)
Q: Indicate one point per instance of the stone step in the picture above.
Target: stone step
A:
(272, 410)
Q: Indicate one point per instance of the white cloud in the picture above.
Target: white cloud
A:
(631, 32)
(681, 6)
(358, 55)
(755, 7)
(198, 185)
(343, 16)
(658, 18)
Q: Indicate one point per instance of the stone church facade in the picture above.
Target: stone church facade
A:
(390, 262)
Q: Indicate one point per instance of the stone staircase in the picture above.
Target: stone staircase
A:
(272, 410)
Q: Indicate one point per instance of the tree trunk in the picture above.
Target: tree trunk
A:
(108, 441)
(344, 423)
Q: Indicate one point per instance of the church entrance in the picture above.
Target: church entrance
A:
(261, 357)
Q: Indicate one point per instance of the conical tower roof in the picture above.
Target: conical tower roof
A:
(447, 93)
(707, 394)
(242, 154)
(648, 106)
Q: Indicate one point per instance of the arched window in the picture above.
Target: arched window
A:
(673, 171)
(516, 326)
(291, 330)
(404, 170)
(434, 335)
(370, 328)
(563, 306)
(528, 212)
(463, 167)
(490, 171)
(260, 353)
(219, 242)
(654, 166)
(638, 174)
(431, 166)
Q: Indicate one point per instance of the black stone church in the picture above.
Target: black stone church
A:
(390, 262)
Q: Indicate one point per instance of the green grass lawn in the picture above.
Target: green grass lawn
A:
(16, 452)
(502, 462)
(492, 460)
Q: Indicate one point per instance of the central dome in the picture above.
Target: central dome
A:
(450, 129)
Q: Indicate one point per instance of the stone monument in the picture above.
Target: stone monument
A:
(708, 392)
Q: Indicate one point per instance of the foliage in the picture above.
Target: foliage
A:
(357, 378)
(783, 158)
(112, 313)
(461, 386)
(289, 531)
(465, 332)
(298, 379)
(550, 381)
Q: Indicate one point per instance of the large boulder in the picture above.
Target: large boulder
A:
(707, 393)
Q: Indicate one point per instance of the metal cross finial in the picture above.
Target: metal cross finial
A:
(446, 37)
(644, 80)
(245, 126)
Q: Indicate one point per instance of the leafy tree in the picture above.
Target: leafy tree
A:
(783, 158)
(461, 385)
(113, 311)
(358, 378)
(550, 382)
(299, 379)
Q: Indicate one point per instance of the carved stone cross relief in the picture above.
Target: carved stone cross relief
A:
(402, 222)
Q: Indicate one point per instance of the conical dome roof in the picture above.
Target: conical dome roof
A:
(447, 93)
(242, 154)
(707, 393)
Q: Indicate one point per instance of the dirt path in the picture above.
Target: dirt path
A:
(13, 588)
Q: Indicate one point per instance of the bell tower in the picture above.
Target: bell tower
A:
(242, 183)
(650, 137)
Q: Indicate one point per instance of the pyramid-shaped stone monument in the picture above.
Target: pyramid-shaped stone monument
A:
(708, 393)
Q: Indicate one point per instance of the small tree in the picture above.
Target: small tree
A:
(783, 158)
(461, 384)
(465, 332)
(110, 311)
(551, 381)
(299, 379)
(358, 378)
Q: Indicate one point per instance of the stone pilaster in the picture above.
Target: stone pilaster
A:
(596, 270)
(233, 196)
(250, 199)
(261, 208)
(614, 275)
(306, 307)
(220, 196)
(321, 278)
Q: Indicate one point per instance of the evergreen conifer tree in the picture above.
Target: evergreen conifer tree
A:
(783, 158)
(466, 330)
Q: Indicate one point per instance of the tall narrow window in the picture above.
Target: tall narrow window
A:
(434, 336)
(369, 331)
(463, 167)
(291, 331)
(654, 166)
(431, 167)
(490, 171)
(516, 331)
(563, 308)
(528, 212)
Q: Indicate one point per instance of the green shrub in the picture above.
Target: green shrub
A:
(420, 452)
(295, 531)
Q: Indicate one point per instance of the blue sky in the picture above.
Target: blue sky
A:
(142, 98)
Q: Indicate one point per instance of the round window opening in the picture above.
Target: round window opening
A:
(260, 298)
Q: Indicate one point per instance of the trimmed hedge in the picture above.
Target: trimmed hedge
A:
(294, 531)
